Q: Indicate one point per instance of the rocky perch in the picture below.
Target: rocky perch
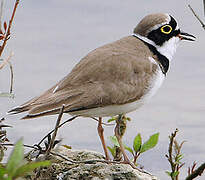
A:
(87, 165)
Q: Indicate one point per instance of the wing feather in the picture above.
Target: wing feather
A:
(116, 73)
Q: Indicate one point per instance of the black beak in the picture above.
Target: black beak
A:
(186, 36)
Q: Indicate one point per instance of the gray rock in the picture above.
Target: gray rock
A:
(62, 169)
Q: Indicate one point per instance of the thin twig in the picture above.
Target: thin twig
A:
(25, 145)
(78, 162)
(5, 61)
(55, 131)
(71, 119)
(201, 22)
(191, 169)
(70, 160)
(170, 149)
(197, 172)
(9, 28)
(1, 13)
(12, 74)
(64, 157)
(12, 77)
(92, 161)
(179, 165)
(11, 71)
(86, 161)
(6, 95)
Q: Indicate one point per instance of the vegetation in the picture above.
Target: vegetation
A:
(5, 35)
(175, 158)
(17, 166)
(138, 148)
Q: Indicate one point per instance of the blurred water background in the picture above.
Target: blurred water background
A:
(49, 37)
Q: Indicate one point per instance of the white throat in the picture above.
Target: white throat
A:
(167, 49)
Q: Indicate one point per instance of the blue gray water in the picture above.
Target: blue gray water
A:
(49, 37)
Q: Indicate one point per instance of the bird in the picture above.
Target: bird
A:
(116, 78)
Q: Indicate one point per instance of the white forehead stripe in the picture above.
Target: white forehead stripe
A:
(177, 28)
(168, 17)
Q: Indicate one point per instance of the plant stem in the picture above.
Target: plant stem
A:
(135, 157)
(25, 145)
(55, 131)
(197, 172)
(71, 119)
(9, 28)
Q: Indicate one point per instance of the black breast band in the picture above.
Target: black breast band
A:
(163, 61)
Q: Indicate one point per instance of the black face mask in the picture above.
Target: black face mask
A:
(160, 37)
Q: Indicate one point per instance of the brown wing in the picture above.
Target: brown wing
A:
(117, 73)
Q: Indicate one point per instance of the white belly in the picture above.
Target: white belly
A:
(113, 110)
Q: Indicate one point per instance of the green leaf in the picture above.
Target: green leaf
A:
(24, 169)
(112, 150)
(67, 146)
(152, 141)
(128, 149)
(1, 154)
(137, 143)
(127, 118)
(168, 173)
(114, 140)
(7, 95)
(112, 119)
(15, 158)
(174, 174)
(2, 172)
(4, 175)
(179, 158)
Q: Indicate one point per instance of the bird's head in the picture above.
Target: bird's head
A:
(162, 31)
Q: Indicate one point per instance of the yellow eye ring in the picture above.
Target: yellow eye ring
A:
(166, 29)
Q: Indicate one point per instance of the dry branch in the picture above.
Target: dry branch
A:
(5, 37)
(5, 61)
(8, 32)
(12, 77)
(197, 172)
(1, 13)
(55, 131)
(201, 22)
(170, 159)
(204, 6)
(71, 119)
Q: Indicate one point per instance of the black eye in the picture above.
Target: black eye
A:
(166, 29)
